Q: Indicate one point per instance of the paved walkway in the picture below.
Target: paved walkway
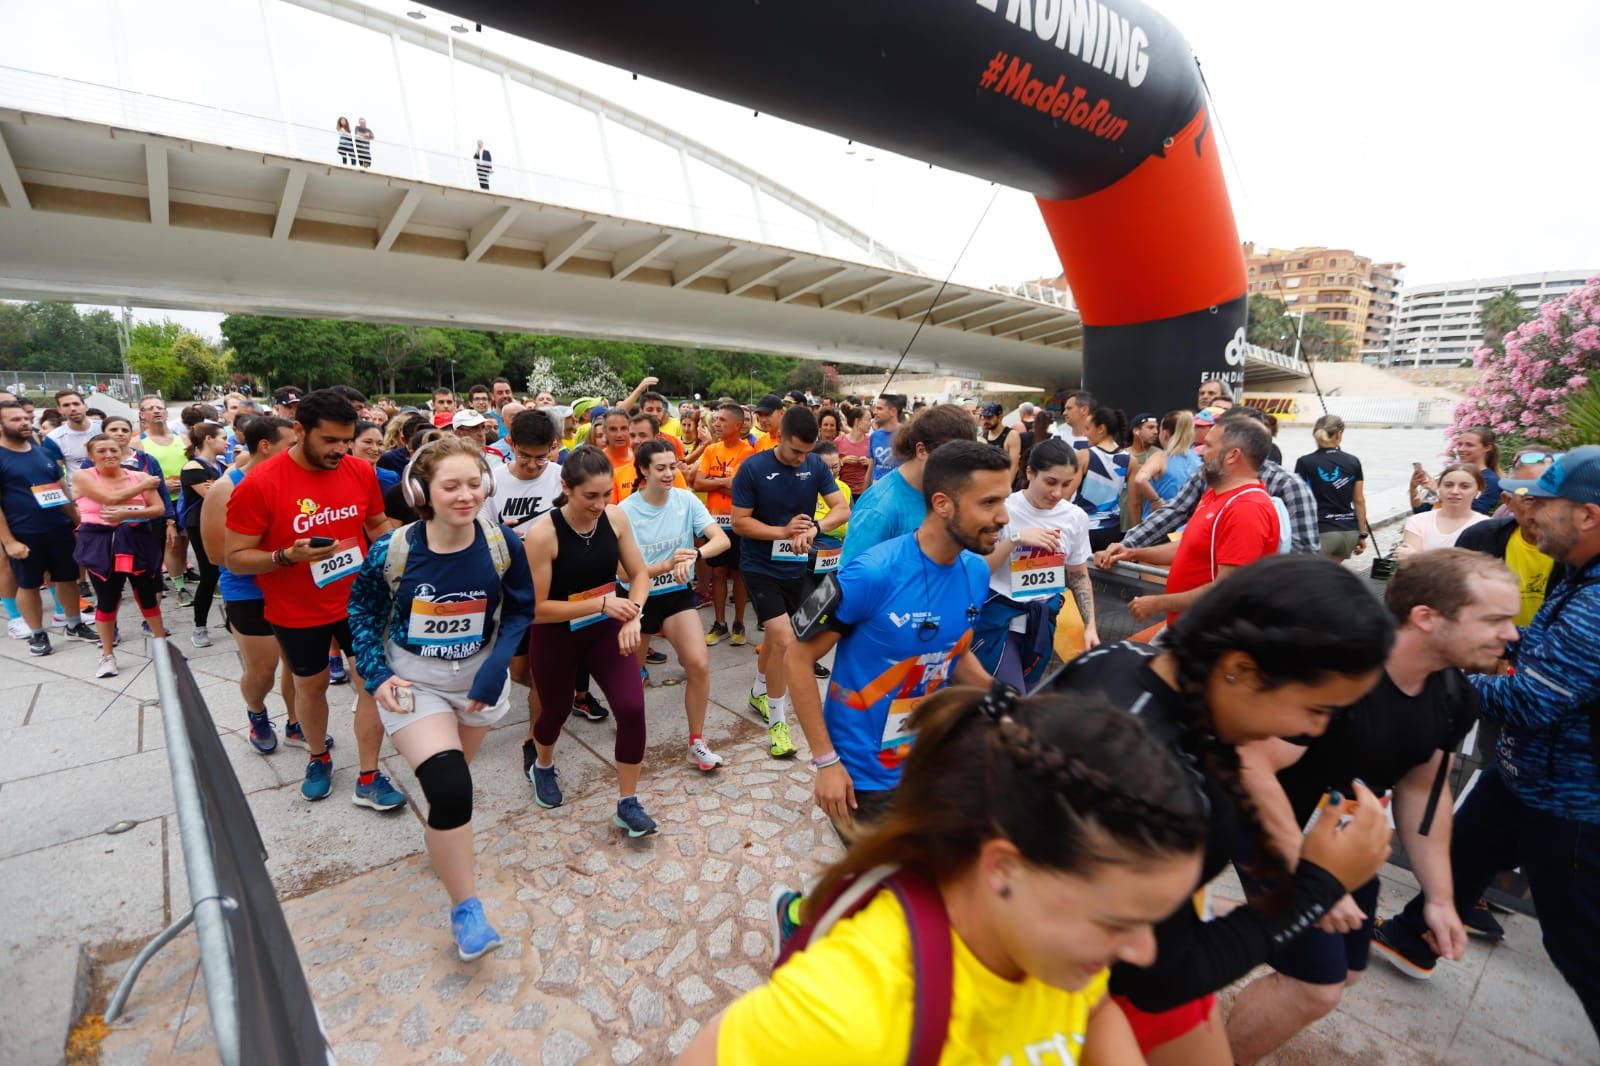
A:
(616, 950)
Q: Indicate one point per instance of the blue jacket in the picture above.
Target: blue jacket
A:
(1546, 748)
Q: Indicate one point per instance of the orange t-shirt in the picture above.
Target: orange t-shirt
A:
(620, 456)
(765, 441)
(722, 460)
(623, 477)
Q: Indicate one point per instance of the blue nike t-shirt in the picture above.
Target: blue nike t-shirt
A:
(913, 620)
(881, 444)
(775, 492)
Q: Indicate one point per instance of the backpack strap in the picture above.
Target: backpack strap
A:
(394, 563)
(932, 954)
(498, 550)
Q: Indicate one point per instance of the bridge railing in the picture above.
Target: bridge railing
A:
(744, 214)
(1260, 355)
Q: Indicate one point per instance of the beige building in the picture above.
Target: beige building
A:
(1334, 284)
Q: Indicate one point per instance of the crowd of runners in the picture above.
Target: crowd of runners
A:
(919, 578)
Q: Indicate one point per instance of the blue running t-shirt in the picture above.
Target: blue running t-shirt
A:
(913, 619)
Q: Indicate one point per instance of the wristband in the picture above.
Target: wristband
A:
(281, 559)
(822, 762)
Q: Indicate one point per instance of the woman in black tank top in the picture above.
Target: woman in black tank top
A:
(582, 618)
(1272, 651)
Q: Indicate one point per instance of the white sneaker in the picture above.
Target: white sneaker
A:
(17, 629)
(58, 620)
(108, 666)
(201, 637)
(702, 756)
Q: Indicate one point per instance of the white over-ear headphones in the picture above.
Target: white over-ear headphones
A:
(416, 492)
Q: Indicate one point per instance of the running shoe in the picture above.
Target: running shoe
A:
(760, 706)
(783, 908)
(295, 736)
(378, 794)
(58, 619)
(185, 598)
(39, 644)
(1409, 954)
(631, 816)
(1480, 921)
(737, 639)
(337, 675)
(474, 935)
(263, 737)
(529, 755)
(107, 667)
(656, 658)
(702, 756)
(144, 627)
(715, 634)
(17, 629)
(81, 631)
(319, 779)
(701, 599)
(191, 574)
(546, 790)
(782, 747)
(590, 707)
(201, 637)
(820, 672)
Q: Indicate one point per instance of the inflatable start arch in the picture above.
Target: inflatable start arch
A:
(1094, 106)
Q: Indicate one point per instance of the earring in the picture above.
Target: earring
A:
(1005, 891)
(1229, 678)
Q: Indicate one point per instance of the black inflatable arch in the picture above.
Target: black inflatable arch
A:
(1094, 106)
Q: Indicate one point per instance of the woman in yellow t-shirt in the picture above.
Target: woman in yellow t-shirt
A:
(1050, 870)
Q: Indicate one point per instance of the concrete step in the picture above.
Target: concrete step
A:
(49, 989)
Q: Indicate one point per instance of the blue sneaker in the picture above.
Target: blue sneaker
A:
(474, 935)
(379, 794)
(319, 779)
(631, 816)
(784, 910)
(295, 737)
(337, 674)
(263, 737)
(546, 792)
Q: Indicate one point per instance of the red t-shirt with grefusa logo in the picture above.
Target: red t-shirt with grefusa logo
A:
(1234, 528)
(280, 501)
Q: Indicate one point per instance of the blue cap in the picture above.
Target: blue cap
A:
(1574, 476)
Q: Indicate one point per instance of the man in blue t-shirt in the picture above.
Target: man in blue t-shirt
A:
(907, 608)
(37, 518)
(894, 505)
(887, 411)
(774, 497)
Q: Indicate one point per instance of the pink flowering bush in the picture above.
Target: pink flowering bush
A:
(1523, 394)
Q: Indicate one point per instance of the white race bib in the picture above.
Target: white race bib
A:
(344, 562)
(50, 496)
(662, 584)
(1036, 574)
(827, 560)
(440, 624)
(724, 522)
(783, 551)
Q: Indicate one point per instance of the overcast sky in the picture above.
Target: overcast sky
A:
(1452, 137)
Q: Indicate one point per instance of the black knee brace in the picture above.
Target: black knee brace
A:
(447, 784)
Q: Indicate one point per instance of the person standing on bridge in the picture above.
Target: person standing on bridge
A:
(363, 142)
(347, 142)
(485, 164)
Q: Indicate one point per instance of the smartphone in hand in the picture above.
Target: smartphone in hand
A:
(322, 542)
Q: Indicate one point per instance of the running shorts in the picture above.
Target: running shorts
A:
(246, 618)
(48, 553)
(305, 649)
(657, 609)
(775, 597)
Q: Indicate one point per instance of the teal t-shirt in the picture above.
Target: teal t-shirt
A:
(660, 531)
(889, 508)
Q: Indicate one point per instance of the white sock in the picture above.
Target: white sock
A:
(760, 687)
(776, 707)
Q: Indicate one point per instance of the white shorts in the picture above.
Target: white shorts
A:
(440, 686)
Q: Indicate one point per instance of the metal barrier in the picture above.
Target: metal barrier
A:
(255, 989)
(46, 382)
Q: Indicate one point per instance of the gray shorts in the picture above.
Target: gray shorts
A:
(439, 686)
(1339, 543)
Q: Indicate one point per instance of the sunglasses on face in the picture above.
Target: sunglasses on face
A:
(1534, 458)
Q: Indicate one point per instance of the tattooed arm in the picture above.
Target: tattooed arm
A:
(1083, 595)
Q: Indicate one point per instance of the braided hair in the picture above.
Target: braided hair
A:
(1301, 619)
(1029, 770)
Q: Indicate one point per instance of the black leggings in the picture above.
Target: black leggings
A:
(108, 593)
(555, 654)
(207, 587)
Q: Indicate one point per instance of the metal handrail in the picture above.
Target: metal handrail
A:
(208, 907)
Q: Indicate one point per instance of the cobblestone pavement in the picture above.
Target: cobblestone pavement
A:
(615, 950)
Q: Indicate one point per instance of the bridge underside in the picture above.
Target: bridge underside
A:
(95, 213)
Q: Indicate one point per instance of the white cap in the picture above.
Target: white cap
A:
(467, 419)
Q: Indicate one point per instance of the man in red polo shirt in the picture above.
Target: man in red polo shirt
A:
(1235, 524)
(301, 522)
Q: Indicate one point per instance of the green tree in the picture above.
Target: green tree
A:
(57, 337)
(1272, 326)
(307, 352)
(1499, 315)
